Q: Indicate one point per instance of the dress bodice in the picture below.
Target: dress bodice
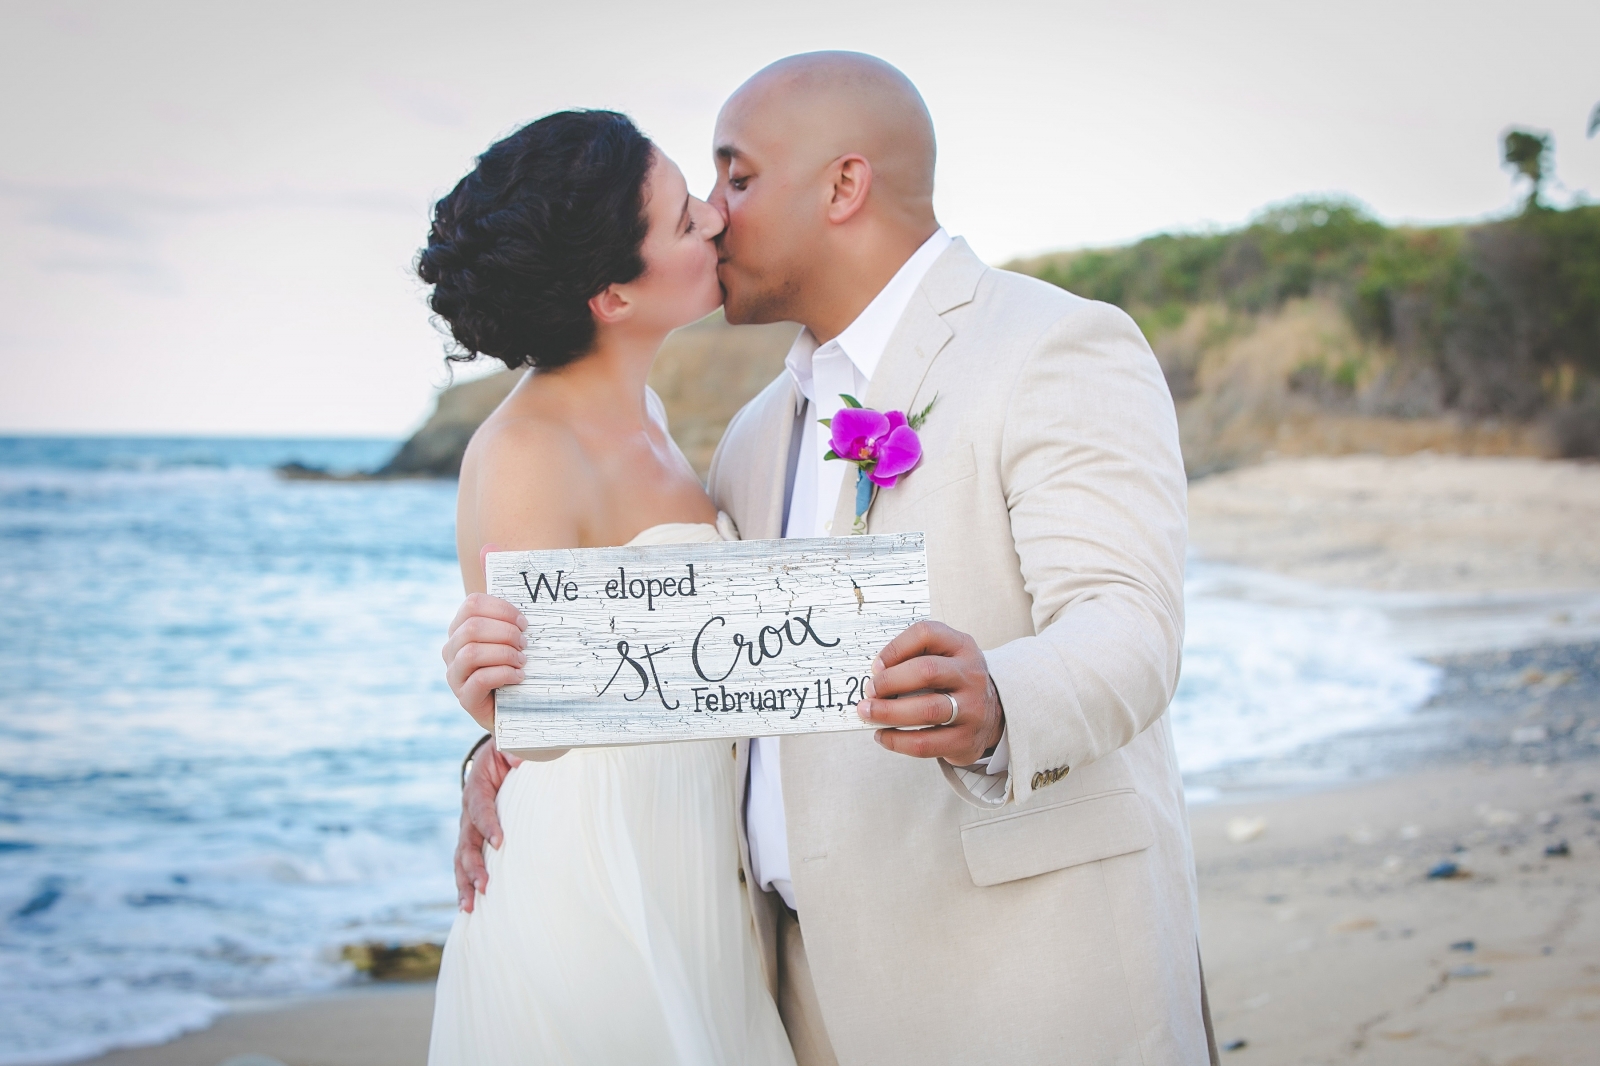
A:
(689, 532)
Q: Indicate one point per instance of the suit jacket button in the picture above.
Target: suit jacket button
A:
(741, 875)
(736, 749)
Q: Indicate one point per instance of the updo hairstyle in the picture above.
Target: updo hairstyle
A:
(549, 217)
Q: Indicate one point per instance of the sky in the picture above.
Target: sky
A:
(208, 211)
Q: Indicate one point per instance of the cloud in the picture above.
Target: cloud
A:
(96, 218)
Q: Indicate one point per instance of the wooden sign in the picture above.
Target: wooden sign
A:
(640, 645)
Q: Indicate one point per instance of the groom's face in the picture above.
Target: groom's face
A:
(773, 207)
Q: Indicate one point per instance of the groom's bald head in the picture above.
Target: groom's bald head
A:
(823, 157)
(823, 105)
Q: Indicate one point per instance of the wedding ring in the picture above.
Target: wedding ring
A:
(955, 708)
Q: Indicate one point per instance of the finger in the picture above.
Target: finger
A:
(479, 656)
(471, 874)
(940, 673)
(925, 710)
(464, 890)
(482, 813)
(918, 745)
(470, 858)
(476, 694)
(920, 638)
(466, 875)
(953, 745)
(481, 604)
(481, 630)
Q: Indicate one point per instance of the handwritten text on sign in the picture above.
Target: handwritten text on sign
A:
(654, 643)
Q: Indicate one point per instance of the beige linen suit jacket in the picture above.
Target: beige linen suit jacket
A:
(1059, 925)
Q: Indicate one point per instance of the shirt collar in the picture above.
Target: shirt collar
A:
(864, 340)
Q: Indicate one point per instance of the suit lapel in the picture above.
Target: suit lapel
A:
(760, 469)
(916, 342)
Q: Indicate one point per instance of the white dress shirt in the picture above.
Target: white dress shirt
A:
(823, 373)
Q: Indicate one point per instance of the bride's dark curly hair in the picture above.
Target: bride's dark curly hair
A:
(549, 217)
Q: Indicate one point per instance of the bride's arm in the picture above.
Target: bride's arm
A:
(522, 488)
(484, 653)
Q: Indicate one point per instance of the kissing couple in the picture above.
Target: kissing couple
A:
(1012, 880)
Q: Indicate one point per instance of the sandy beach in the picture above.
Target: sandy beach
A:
(1422, 523)
(1325, 937)
(1325, 941)
(375, 1026)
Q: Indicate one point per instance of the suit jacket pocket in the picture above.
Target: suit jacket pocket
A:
(956, 464)
(1028, 843)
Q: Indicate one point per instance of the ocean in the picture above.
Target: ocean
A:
(227, 748)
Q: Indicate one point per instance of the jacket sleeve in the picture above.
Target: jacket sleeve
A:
(1095, 487)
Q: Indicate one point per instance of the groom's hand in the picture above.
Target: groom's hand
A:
(908, 686)
(480, 821)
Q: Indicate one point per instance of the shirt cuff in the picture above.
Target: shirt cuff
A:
(989, 779)
(998, 761)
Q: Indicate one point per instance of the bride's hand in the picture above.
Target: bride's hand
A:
(484, 652)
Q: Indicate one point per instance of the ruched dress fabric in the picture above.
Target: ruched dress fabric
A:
(615, 928)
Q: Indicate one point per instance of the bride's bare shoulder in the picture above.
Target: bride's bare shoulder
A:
(518, 448)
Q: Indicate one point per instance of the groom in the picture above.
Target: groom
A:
(1014, 883)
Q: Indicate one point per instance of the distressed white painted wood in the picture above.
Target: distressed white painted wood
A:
(654, 643)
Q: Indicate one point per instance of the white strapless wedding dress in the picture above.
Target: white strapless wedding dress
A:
(615, 928)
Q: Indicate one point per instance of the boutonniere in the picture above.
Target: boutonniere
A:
(883, 445)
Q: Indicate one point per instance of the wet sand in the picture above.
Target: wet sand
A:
(1326, 942)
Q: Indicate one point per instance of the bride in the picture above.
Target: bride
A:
(616, 929)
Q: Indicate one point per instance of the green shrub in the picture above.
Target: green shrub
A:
(1503, 317)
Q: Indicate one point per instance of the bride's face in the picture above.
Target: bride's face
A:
(679, 284)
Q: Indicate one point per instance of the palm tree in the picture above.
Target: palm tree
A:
(1528, 153)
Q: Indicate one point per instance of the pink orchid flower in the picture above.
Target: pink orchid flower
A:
(881, 444)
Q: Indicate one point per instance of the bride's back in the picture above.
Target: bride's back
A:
(572, 248)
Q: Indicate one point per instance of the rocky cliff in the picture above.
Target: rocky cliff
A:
(704, 374)
(435, 449)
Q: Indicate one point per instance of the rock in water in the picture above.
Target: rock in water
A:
(395, 962)
(298, 471)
